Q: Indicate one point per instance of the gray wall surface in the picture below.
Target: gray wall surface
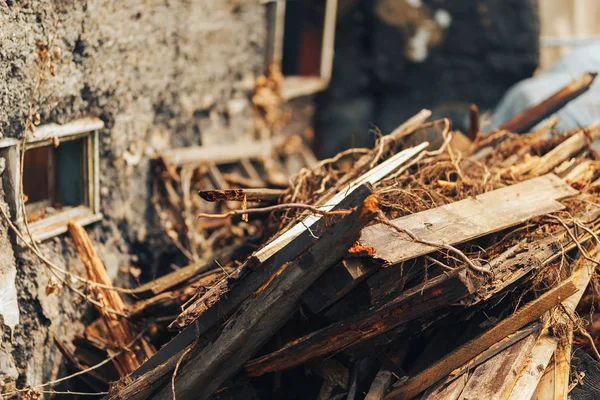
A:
(160, 74)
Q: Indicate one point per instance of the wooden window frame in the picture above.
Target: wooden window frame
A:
(85, 129)
(298, 86)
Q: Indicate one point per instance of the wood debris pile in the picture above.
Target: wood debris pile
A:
(398, 272)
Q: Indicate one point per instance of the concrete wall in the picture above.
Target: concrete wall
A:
(160, 74)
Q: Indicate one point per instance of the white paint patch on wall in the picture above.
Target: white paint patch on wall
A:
(443, 18)
(418, 45)
(9, 307)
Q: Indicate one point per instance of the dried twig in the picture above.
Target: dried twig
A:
(276, 207)
(175, 371)
(573, 237)
(384, 220)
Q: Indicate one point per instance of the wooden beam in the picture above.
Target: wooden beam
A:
(267, 309)
(565, 150)
(121, 332)
(527, 314)
(527, 119)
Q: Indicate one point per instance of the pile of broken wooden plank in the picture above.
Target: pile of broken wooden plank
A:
(446, 269)
(443, 273)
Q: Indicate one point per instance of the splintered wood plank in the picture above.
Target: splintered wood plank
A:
(451, 224)
(566, 150)
(446, 386)
(494, 379)
(534, 370)
(545, 388)
(467, 219)
(528, 313)
(121, 332)
(527, 119)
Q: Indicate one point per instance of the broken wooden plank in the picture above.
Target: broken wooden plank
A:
(528, 313)
(532, 372)
(447, 388)
(467, 219)
(121, 332)
(496, 349)
(565, 150)
(545, 388)
(494, 378)
(267, 195)
(433, 294)
(450, 224)
(267, 309)
(527, 119)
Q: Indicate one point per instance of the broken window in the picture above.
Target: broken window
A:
(60, 177)
(301, 35)
(54, 178)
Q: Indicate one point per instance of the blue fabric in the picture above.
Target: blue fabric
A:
(582, 111)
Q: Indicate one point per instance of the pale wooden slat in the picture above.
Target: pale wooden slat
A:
(495, 378)
(533, 371)
(468, 219)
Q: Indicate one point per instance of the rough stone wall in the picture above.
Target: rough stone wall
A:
(161, 74)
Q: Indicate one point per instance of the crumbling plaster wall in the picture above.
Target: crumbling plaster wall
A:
(160, 74)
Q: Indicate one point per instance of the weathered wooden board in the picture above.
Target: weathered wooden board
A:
(528, 313)
(446, 388)
(533, 371)
(246, 281)
(467, 219)
(495, 378)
